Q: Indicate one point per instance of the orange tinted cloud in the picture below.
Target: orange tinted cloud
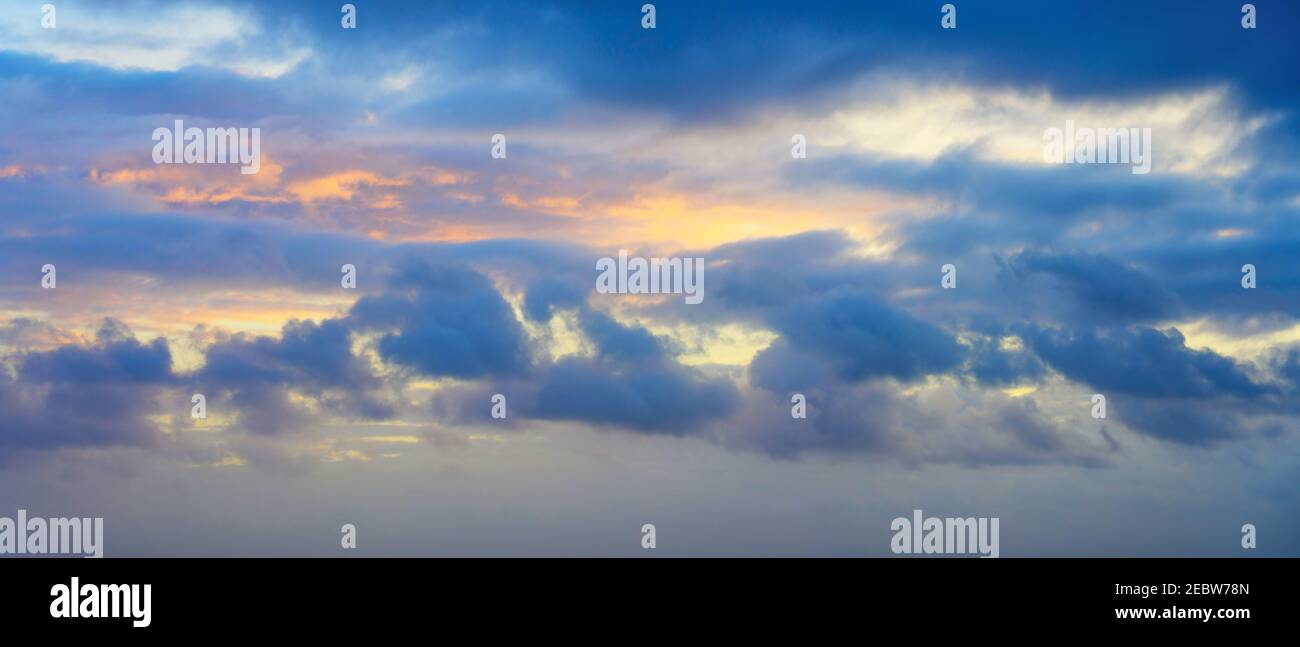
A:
(182, 184)
(16, 171)
(193, 184)
(340, 186)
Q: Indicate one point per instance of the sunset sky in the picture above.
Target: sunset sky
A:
(475, 276)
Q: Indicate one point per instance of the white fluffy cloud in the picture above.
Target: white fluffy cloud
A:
(158, 37)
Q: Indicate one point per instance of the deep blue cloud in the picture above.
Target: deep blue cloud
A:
(619, 342)
(318, 354)
(96, 395)
(709, 61)
(1186, 421)
(117, 360)
(1142, 362)
(61, 89)
(257, 374)
(655, 398)
(863, 337)
(449, 321)
(993, 365)
(548, 293)
(784, 370)
(1102, 288)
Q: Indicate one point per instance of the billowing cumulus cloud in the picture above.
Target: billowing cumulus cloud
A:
(95, 395)
(257, 374)
(864, 338)
(1143, 361)
(445, 321)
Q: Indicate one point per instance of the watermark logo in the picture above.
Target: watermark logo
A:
(183, 145)
(1098, 406)
(949, 536)
(638, 275)
(76, 600)
(55, 536)
(1098, 146)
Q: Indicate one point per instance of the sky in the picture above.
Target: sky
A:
(476, 276)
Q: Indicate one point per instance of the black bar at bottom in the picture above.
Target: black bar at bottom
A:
(670, 598)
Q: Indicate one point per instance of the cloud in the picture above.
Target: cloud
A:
(117, 359)
(945, 425)
(1157, 385)
(1142, 362)
(615, 341)
(153, 36)
(774, 55)
(1103, 289)
(445, 321)
(782, 369)
(97, 395)
(547, 293)
(864, 338)
(655, 398)
(681, 134)
(1001, 360)
(258, 375)
(306, 351)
